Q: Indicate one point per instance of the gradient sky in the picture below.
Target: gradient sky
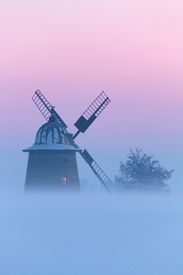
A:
(73, 50)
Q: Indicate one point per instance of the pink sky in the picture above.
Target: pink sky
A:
(72, 50)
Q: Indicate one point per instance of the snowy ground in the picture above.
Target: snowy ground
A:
(91, 235)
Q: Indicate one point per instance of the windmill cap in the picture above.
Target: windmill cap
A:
(51, 136)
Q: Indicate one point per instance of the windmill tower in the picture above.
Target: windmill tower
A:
(52, 158)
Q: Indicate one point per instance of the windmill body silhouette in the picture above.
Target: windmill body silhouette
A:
(52, 158)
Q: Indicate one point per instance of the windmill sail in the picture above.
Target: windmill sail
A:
(109, 186)
(91, 113)
(103, 178)
(46, 108)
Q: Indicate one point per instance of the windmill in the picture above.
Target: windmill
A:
(55, 147)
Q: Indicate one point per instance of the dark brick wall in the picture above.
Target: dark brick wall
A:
(46, 170)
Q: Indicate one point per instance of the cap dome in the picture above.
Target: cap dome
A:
(50, 136)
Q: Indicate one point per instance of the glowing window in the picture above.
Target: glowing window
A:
(64, 180)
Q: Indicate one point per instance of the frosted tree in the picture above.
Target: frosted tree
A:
(141, 173)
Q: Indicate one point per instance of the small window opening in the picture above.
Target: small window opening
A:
(64, 180)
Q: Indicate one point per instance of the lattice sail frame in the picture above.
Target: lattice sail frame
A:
(109, 186)
(46, 108)
(91, 113)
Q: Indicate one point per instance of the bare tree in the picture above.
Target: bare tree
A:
(141, 173)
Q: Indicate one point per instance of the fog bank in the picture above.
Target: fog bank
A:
(91, 234)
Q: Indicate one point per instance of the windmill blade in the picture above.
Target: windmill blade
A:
(91, 113)
(103, 178)
(109, 186)
(46, 108)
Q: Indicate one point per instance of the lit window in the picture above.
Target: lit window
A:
(63, 180)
